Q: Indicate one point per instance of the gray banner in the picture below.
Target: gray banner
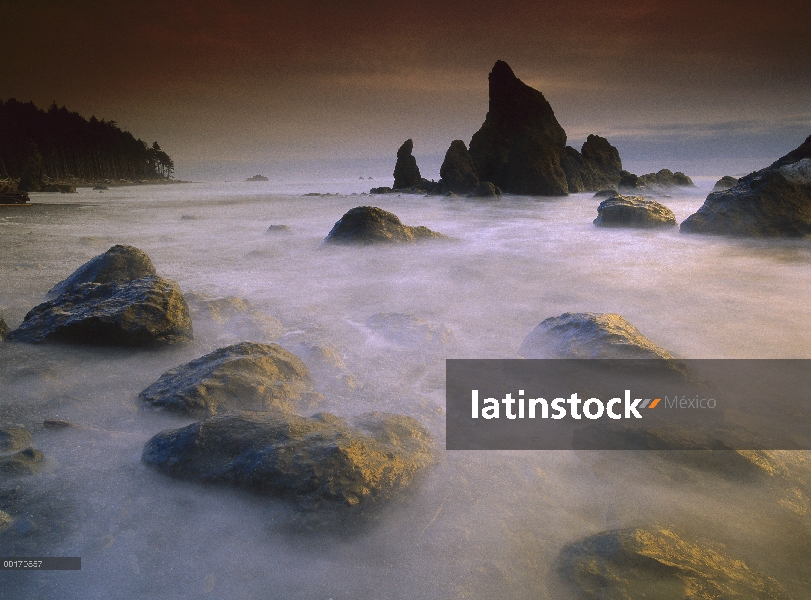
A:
(563, 404)
(41, 563)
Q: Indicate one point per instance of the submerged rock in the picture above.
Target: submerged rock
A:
(245, 376)
(13, 438)
(633, 211)
(485, 190)
(4, 329)
(24, 462)
(589, 335)
(775, 201)
(371, 225)
(406, 172)
(726, 182)
(457, 171)
(118, 265)
(659, 564)
(317, 460)
(149, 311)
(257, 178)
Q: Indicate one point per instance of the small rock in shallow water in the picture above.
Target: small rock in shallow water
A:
(633, 211)
(370, 225)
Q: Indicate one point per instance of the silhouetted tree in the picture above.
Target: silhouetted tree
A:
(33, 176)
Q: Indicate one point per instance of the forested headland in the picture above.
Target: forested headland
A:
(38, 147)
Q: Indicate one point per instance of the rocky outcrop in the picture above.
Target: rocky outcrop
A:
(406, 172)
(775, 201)
(589, 335)
(457, 173)
(519, 145)
(597, 166)
(245, 376)
(371, 225)
(118, 265)
(726, 182)
(257, 178)
(485, 190)
(10, 195)
(666, 178)
(321, 460)
(633, 211)
(659, 563)
(4, 330)
(149, 311)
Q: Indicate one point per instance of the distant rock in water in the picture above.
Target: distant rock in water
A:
(406, 172)
(485, 190)
(605, 194)
(372, 225)
(381, 190)
(726, 182)
(244, 376)
(10, 195)
(633, 211)
(589, 335)
(662, 180)
(257, 178)
(457, 172)
(118, 265)
(149, 311)
(597, 166)
(4, 330)
(775, 201)
(278, 229)
(62, 188)
(316, 461)
(660, 563)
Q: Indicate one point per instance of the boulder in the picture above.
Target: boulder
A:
(118, 265)
(244, 376)
(659, 563)
(633, 211)
(257, 178)
(485, 190)
(11, 195)
(666, 178)
(24, 462)
(4, 330)
(14, 438)
(519, 145)
(278, 229)
(381, 190)
(589, 335)
(317, 460)
(775, 201)
(457, 171)
(149, 311)
(726, 182)
(371, 225)
(406, 172)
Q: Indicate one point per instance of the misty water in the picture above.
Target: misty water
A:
(481, 524)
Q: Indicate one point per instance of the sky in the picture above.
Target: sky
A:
(227, 87)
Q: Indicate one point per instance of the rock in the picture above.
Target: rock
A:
(659, 563)
(411, 331)
(775, 201)
(62, 188)
(370, 225)
(24, 462)
(406, 172)
(519, 145)
(278, 229)
(381, 190)
(457, 172)
(605, 194)
(5, 520)
(726, 182)
(666, 179)
(629, 183)
(100, 187)
(485, 190)
(245, 376)
(149, 311)
(11, 195)
(633, 211)
(231, 319)
(324, 360)
(257, 178)
(14, 438)
(597, 166)
(589, 335)
(4, 330)
(118, 265)
(316, 460)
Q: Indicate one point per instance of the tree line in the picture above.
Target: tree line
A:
(59, 145)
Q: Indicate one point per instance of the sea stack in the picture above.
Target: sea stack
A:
(406, 172)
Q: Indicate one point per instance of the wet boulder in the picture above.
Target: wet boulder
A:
(244, 376)
(772, 202)
(589, 335)
(726, 182)
(661, 564)
(485, 190)
(633, 211)
(149, 311)
(457, 171)
(371, 225)
(406, 172)
(118, 265)
(321, 460)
